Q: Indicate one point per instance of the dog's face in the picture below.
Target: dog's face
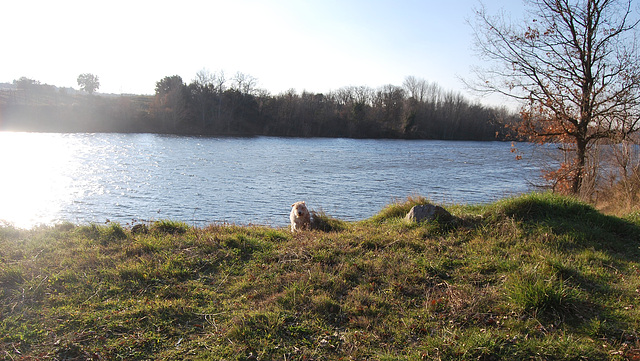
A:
(299, 209)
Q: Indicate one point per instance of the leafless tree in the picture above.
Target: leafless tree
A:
(416, 88)
(245, 84)
(202, 88)
(573, 65)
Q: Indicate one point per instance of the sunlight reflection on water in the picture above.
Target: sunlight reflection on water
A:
(36, 184)
(82, 178)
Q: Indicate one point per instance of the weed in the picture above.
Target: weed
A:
(114, 232)
(91, 231)
(323, 222)
(104, 235)
(10, 277)
(169, 227)
(539, 296)
(140, 228)
(633, 217)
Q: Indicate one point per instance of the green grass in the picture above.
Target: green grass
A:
(538, 277)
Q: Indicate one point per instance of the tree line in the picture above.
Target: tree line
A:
(214, 104)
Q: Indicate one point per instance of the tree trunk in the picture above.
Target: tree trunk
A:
(580, 163)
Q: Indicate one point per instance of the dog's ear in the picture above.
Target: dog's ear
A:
(293, 205)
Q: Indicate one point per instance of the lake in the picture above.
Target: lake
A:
(129, 178)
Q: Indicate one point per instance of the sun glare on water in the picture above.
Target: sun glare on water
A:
(34, 183)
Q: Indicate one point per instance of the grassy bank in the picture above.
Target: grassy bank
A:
(535, 277)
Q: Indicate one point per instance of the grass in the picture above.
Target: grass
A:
(621, 195)
(539, 277)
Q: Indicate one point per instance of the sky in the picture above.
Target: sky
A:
(312, 45)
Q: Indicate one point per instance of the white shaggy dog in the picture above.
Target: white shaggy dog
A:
(300, 217)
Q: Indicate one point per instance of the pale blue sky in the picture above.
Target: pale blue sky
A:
(318, 45)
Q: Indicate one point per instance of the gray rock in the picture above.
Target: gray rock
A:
(428, 212)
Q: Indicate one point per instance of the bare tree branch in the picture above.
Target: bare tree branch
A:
(573, 64)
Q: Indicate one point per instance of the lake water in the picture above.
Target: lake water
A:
(125, 178)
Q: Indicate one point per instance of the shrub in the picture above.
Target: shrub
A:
(170, 227)
(113, 232)
(323, 222)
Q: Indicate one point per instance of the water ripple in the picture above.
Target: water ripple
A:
(86, 178)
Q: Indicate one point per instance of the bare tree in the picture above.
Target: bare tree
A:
(417, 88)
(204, 78)
(220, 82)
(245, 84)
(202, 88)
(573, 66)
